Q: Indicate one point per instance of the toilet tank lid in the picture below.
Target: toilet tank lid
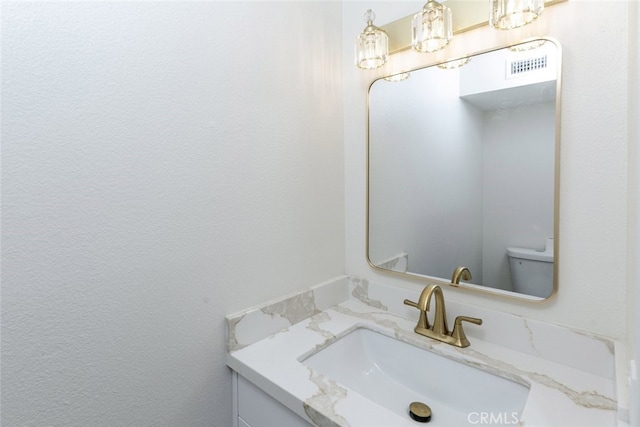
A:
(531, 254)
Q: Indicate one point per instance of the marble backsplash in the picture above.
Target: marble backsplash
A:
(252, 325)
(579, 350)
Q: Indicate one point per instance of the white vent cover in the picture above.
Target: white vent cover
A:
(521, 66)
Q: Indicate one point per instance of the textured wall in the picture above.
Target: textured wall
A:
(164, 164)
(633, 302)
(594, 175)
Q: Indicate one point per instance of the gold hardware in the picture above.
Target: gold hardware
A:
(458, 333)
(460, 272)
(439, 330)
(420, 412)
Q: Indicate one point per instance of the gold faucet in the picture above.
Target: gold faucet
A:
(458, 273)
(439, 330)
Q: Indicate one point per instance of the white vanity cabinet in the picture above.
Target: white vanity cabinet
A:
(253, 407)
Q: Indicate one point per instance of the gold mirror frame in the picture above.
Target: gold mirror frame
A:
(556, 192)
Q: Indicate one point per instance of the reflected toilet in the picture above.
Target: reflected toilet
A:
(532, 270)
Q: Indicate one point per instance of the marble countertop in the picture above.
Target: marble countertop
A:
(562, 393)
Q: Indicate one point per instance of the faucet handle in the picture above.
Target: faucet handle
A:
(458, 333)
(411, 303)
(422, 320)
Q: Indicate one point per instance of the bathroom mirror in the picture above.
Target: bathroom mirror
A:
(463, 171)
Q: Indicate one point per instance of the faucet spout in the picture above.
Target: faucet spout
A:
(460, 273)
(423, 305)
(440, 315)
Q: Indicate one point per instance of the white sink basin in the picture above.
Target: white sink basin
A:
(393, 374)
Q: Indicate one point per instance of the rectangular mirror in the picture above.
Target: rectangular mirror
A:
(463, 170)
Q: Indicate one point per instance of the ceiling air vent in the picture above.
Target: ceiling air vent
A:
(522, 66)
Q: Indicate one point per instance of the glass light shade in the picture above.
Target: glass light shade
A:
(372, 45)
(397, 77)
(456, 63)
(508, 14)
(431, 28)
(523, 47)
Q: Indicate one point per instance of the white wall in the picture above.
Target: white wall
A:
(410, 185)
(593, 193)
(633, 302)
(491, 72)
(164, 164)
(518, 183)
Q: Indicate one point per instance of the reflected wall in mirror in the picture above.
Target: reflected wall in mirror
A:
(463, 171)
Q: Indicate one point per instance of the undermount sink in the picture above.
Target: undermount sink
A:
(393, 374)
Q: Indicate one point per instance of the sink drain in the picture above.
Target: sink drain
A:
(420, 412)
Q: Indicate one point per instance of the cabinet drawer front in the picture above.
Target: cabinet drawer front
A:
(257, 409)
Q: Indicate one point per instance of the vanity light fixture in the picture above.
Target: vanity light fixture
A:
(431, 28)
(397, 77)
(372, 45)
(509, 14)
